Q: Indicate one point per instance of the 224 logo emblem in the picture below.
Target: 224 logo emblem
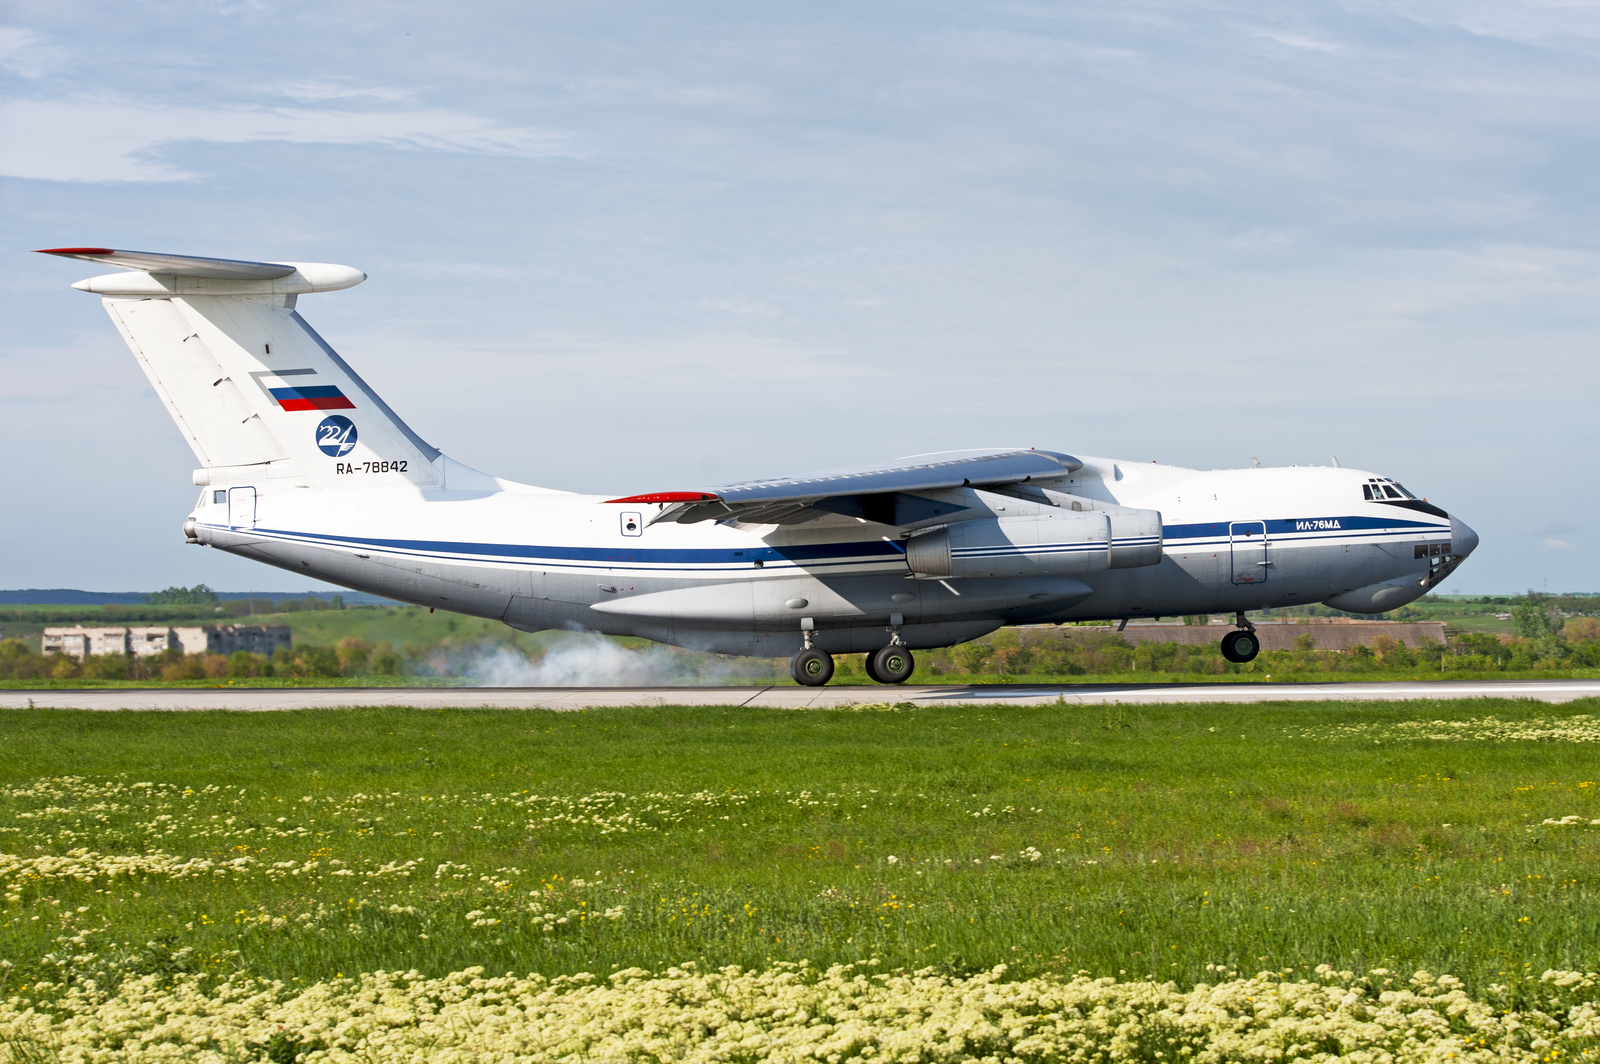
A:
(336, 436)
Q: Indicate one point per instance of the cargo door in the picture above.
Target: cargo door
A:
(242, 507)
(1250, 561)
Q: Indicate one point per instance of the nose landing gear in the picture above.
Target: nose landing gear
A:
(1243, 645)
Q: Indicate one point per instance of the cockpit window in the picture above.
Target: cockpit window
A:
(1381, 489)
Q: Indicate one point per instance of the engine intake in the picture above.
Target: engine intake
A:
(1051, 544)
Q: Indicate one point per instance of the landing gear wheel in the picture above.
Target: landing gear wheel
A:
(1240, 647)
(872, 673)
(892, 664)
(812, 667)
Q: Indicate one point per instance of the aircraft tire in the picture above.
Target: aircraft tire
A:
(871, 670)
(813, 667)
(1240, 646)
(892, 664)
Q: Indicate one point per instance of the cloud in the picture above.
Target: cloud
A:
(14, 40)
(658, 366)
(320, 90)
(1296, 40)
(1560, 544)
(1521, 22)
(738, 306)
(22, 53)
(112, 139)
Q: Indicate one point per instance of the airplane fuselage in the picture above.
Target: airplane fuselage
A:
(1231, 541)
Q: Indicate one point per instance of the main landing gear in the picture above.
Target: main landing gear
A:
(890, 664)
(1243, 645)
(813, 667)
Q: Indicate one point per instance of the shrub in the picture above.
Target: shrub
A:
(385, 662)
(104, 667)
(354, 654)
(1581, 630)
(243, 663)
(306, 661)
(971, 657)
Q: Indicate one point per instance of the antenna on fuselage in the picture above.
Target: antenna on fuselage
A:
(1255, 461)
(1335, 459)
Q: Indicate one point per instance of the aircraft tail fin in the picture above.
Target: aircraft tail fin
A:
(256, 392)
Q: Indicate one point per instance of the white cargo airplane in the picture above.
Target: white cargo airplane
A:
(304, 467)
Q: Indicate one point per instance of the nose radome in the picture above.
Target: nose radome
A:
(1463, 540)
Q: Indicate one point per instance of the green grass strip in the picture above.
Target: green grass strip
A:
(1452, 836)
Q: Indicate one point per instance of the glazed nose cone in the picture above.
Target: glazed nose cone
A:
(1463, 540)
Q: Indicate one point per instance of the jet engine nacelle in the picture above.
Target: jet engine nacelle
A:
(1050, 544)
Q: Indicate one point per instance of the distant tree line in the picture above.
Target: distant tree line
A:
(1568, 605)
(208, 611)
(181, 596)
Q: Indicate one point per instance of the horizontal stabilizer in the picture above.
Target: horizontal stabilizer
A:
(178, 265)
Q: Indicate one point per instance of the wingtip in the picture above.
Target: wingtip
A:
(75, 251)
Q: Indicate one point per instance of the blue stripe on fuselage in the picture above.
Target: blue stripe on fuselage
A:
(1301, 526)
(818, 554)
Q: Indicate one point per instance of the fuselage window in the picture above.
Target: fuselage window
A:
(219, 496)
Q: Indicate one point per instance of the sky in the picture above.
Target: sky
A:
(621, 247)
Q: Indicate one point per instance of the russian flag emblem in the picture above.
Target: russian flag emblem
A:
(311, 397)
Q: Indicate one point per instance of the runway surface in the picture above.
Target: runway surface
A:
(785, 697)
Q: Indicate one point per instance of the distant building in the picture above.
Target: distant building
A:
(256, 638)
(144, 642)
(80, 642)
(189, 640)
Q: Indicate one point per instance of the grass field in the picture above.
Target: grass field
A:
(1174, 843)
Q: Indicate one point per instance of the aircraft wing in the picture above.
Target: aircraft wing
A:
(886, 494)
(178, 265)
